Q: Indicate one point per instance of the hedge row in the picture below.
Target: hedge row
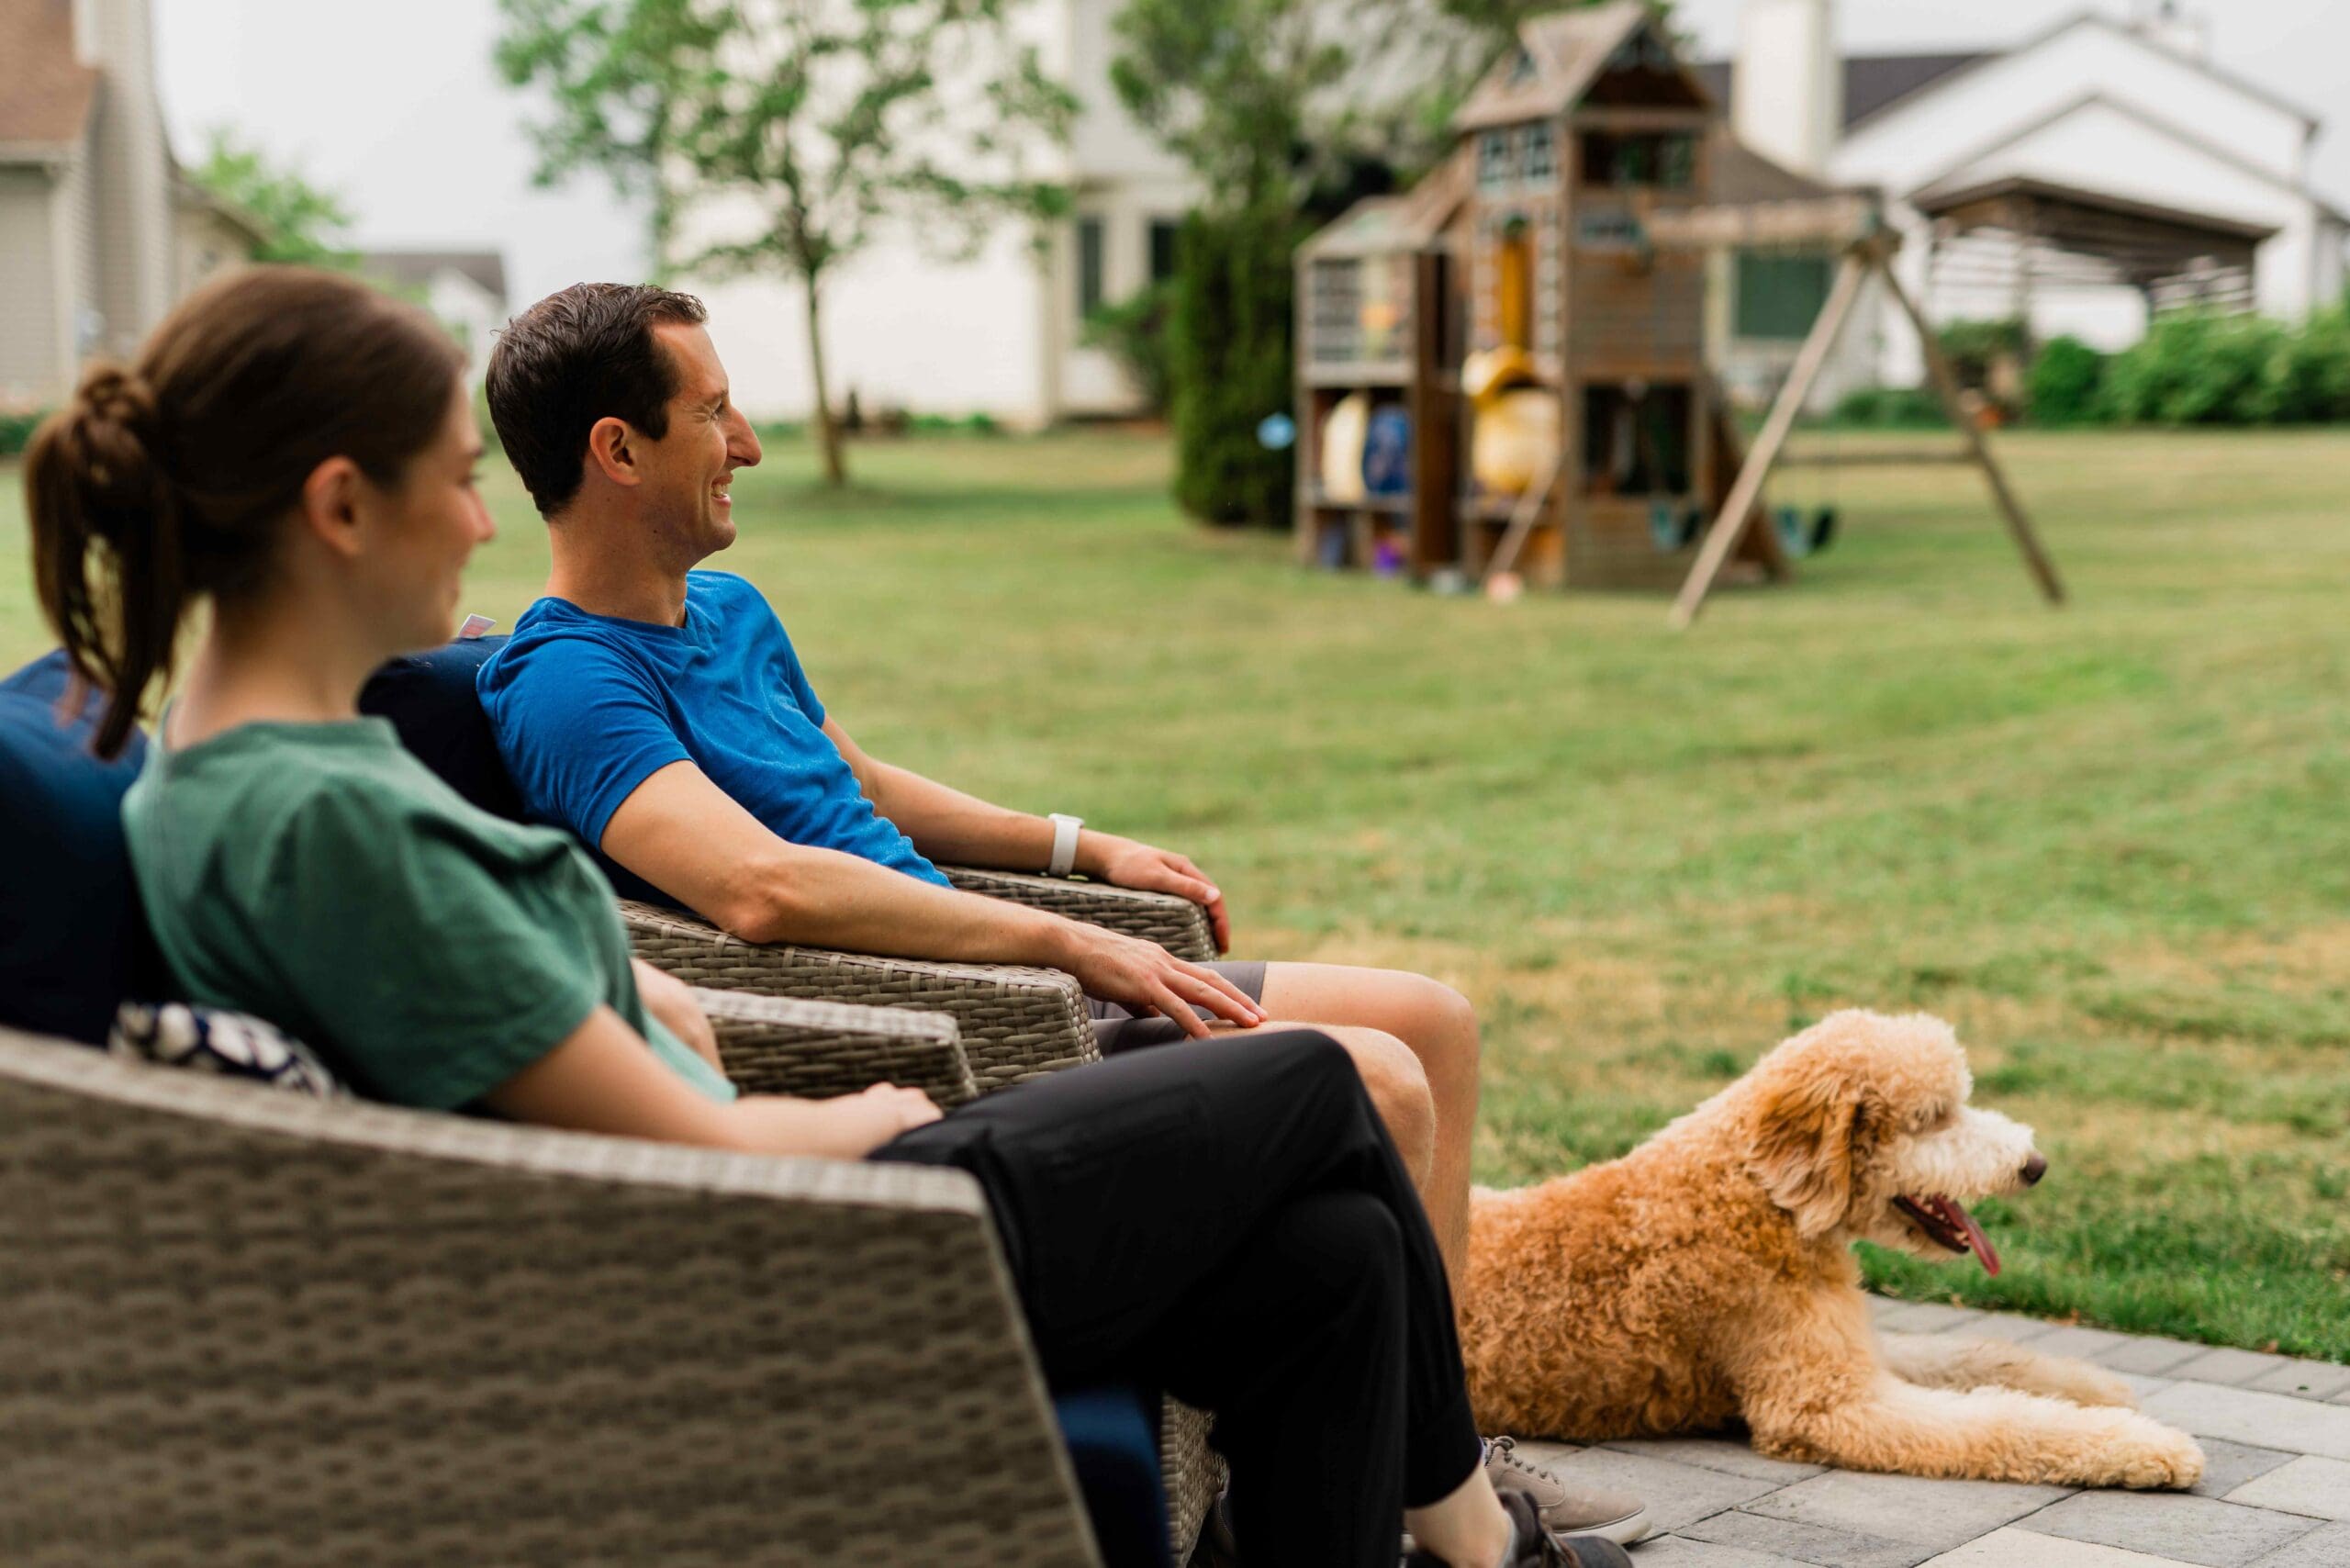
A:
(2189, 369)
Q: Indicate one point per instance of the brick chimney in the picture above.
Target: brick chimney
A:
(1787, 93)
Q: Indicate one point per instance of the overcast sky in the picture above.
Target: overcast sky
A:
(395, 106)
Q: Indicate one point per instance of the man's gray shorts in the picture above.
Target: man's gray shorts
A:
(1115, 1029)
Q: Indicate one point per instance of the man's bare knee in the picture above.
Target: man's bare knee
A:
(1398, 1085)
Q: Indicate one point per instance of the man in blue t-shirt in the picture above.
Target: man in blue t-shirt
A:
(661, 713)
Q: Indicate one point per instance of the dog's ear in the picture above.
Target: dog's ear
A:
(1804, 1134)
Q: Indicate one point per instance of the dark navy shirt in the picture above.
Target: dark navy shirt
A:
(587, 707)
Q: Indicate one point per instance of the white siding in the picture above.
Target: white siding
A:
(30, 368)
(135, 243)
(902, 328)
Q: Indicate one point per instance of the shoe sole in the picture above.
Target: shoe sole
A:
(1632, 1527)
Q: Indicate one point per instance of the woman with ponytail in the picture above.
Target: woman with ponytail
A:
(296, 453)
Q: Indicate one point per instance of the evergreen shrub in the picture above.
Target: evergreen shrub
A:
(1228, 346)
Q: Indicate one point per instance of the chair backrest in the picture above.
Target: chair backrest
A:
(72, 940)
(430, 700)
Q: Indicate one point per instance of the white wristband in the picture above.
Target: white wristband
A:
(1064, 844)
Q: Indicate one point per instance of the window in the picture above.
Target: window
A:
(1665, 161)
(1541, 152)
(1779, 295)
(1089, 266)
(1496, 159)
(1163, 231)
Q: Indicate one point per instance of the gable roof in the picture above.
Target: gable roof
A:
(414, 269)
(45, 90)
(1872, 82)
(1559, 57)
(2184, 136)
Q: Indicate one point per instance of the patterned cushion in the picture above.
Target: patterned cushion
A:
(236, 1045)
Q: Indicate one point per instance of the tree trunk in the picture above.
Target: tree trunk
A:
(828, 430)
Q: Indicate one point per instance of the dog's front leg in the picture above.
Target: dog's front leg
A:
(1982, 1434)
(1936, 1361)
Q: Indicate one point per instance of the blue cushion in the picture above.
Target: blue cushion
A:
(72, 942)
(1113, 1437)
(430, 700)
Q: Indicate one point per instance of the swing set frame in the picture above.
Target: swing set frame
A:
(1868, 255)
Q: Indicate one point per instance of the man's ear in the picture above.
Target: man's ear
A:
(1803, 1151)
(611, 447)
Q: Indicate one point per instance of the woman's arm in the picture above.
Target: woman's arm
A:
(603, 1079)
(671, 1000)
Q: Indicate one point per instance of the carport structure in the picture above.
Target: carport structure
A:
(2028, 235)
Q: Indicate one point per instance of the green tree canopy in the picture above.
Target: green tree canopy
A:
(782, 137)
(302, 222)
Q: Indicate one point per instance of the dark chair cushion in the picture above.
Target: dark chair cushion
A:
(1113, 1437)
(431, 702)
(72, 942)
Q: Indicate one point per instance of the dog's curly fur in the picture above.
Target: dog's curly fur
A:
(1706, 1277)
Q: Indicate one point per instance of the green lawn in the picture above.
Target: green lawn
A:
(2110, 843)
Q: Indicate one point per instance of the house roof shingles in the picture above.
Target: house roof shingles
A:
(1872, 82)
(45, 90)
(413, 269)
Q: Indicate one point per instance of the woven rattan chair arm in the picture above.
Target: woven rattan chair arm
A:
(242, 1327)
(1177, 924)
(1014, 1023)
(774, 1044)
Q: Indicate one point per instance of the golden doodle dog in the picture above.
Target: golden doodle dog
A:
(1706, 1277)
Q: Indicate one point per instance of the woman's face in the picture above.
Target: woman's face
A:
(431, 522)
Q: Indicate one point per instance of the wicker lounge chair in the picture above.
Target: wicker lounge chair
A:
(1014, 1023)
(242, 1327)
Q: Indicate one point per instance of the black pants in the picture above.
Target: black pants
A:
(1227, 1220)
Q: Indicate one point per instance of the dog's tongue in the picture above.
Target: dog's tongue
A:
(1984, 1253)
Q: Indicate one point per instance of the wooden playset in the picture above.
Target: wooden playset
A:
(1502, 372)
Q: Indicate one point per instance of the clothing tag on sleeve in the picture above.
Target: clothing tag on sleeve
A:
(474, 627)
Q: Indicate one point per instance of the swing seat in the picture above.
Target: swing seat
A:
(1793, 539)
(1673, 527)
(1823, 529)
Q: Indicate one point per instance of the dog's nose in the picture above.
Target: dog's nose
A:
(2033, 1169)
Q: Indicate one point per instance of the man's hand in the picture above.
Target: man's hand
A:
(1148, 978)
(1122, 863)
(671, 1000)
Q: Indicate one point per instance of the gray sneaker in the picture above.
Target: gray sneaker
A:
(1566, 1509)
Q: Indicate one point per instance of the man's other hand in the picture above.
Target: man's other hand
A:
(1122, 863)
(1145, 977)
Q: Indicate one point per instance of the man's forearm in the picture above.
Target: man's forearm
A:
(827, 899)
(947, 826)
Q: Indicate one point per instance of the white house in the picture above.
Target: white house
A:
(464, 290)
(99, 233)
(2079, 178)
(1000, 333)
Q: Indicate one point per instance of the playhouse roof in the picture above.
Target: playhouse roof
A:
(1559, 57)
(1409, 220)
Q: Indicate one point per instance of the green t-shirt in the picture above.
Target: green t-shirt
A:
(318, 875)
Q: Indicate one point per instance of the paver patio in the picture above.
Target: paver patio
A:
(2276, 1494)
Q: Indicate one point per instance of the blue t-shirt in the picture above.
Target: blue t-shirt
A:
(587, 707)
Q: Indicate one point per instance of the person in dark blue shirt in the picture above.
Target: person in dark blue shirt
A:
(661, 713)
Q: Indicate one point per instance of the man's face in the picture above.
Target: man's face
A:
(688, 472)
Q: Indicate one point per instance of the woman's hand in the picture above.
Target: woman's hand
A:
(1124, 863)
(849, 1128)
(671, 1000)
(1148, 978)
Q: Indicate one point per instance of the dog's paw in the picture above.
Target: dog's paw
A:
(2153, 1457)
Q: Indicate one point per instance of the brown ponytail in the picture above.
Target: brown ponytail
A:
(165, 481)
